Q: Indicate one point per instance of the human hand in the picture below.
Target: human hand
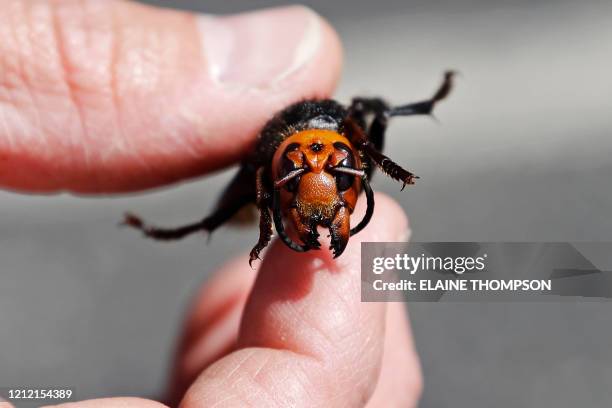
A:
(110, 96)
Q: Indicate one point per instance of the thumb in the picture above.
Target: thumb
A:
(116, 96)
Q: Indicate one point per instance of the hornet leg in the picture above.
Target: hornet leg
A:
(426, 107)
(265, 220)
(340, 231)
(388, 166)
(362, 107)
(239, 193)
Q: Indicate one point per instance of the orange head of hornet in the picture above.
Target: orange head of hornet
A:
(317, 177)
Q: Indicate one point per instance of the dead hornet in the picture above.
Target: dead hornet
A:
(309, 165)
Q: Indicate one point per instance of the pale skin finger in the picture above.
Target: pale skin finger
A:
(211, 327)
(400, 381)
(112, 96)
(306, 339)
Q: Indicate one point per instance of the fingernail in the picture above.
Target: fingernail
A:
(260, 49)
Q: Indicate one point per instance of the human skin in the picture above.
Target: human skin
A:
(110, 97)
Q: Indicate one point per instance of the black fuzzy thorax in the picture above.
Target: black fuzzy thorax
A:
(311, 114)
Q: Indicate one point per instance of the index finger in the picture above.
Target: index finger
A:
(306, 339)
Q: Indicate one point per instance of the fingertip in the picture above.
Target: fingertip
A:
(287, 277)
(270, 49)
(305, 314)
(310, 304)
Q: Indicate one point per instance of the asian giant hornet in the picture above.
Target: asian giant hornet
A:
(309, 165)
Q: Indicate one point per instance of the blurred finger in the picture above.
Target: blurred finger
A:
(211, 327)
(400, 382)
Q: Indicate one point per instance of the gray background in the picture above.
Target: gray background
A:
(522, 153)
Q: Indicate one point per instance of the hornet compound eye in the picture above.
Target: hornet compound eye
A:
(344, 181)
(291, 162)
